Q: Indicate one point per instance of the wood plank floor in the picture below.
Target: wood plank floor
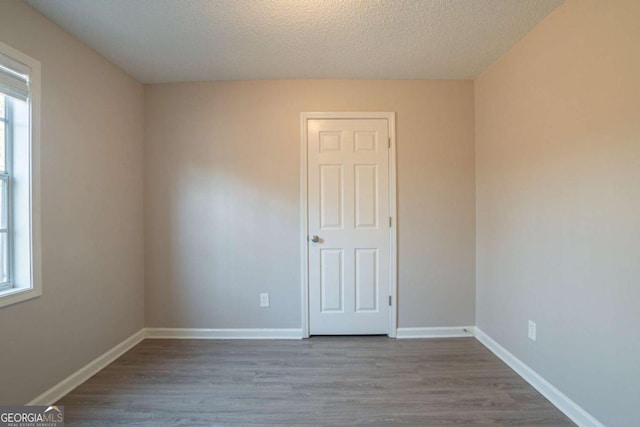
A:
(331, 381)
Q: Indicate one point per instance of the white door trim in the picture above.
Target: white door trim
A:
(304, 202)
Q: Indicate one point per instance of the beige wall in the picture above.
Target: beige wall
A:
(558, 211)
(222, 204)
(92, 247)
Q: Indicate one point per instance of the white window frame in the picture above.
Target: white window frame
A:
(32, 287)
(5, 181)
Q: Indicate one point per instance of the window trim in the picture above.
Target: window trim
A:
(21, 293)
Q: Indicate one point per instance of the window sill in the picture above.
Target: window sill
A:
(15, 295)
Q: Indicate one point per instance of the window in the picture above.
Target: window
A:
(19, 177)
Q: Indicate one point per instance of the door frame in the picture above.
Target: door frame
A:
(304, 211)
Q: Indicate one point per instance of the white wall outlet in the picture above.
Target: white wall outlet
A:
(532, 330)
(264, 300)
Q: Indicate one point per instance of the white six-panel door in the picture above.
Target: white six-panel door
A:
(348, 226)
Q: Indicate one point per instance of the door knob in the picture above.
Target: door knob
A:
(315, 239)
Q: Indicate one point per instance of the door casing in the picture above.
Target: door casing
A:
(304, 210)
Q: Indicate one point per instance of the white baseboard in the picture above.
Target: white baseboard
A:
(444, 332)
(571, 409)
(61, 389)
(225, 334)
(555, 396)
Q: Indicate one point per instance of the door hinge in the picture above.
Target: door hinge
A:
(390, 300)
(389, 142)
(389, 221)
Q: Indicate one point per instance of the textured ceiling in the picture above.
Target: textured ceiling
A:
(192, 40)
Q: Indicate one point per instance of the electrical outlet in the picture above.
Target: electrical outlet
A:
(532, 330)
(264, 300)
